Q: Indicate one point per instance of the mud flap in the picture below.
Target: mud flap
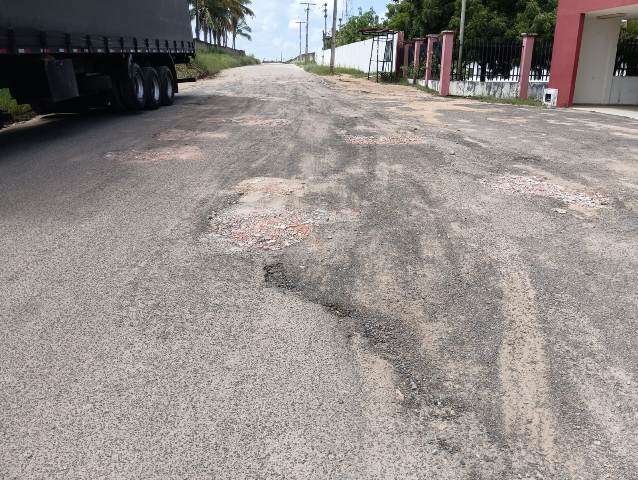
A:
(61, 79)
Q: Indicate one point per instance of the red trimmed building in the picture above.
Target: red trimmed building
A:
(584, 54)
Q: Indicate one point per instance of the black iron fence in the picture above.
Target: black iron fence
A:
(436, 61)
(626, 59)
(541, 61)
(488, 60)
(491, 60)
(423, 55)
(410, 54)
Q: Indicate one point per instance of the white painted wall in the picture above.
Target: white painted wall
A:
(355, 55)
(489, 89)
(624, 91)
(596, 63)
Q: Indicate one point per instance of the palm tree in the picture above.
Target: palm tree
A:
(240, 28)
(219, 18)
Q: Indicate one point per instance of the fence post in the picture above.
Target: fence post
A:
(432, 39)
(447, 52)
(417, 58)
(526, 64)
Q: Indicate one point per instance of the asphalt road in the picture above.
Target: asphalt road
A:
(284, 276)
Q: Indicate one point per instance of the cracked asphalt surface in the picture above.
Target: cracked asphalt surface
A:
(284, 276)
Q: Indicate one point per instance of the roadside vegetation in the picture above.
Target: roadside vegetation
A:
(350, 31)
(210, 62)
(14, 111)
(221, 21)
(325, 70)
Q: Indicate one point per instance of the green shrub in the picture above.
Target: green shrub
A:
(9, 105)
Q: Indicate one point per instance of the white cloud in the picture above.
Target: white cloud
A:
(275, 32)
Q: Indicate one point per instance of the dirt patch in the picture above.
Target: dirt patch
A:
(523, 372)
(540, 187)
(429, 108)
(271, 186)
(399, 139)
(255, 121)
(177, 135)
(182, 153)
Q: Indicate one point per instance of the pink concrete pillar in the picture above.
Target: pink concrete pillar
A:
(432, 39)
(447, 51)
(417, 57)
(526, 64)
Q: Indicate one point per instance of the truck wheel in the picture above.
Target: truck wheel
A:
(152, 87)
(132, 88)
(167, 85)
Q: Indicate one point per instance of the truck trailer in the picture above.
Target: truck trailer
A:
(64, 55)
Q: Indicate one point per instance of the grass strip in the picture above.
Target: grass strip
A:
(325, 70)
(205, 64)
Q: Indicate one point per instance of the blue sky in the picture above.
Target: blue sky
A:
(275, 31)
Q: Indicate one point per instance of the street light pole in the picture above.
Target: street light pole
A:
(307, 4)
(334, 38)
(462, 36)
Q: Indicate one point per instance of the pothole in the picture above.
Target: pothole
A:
(268, 214)
(539, 187)
(264, 229)
(275, 276)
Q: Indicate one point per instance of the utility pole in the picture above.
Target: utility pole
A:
(196, 3)
(307, 4)
(334, 38)
(462, 36)
(325, 33)
(300, 51)
(325, 18)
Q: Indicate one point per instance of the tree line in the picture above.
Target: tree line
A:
(485, 19)
(220, 20)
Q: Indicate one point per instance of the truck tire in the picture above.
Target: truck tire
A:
(131, 88)
(167, 85)
(152, 88)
